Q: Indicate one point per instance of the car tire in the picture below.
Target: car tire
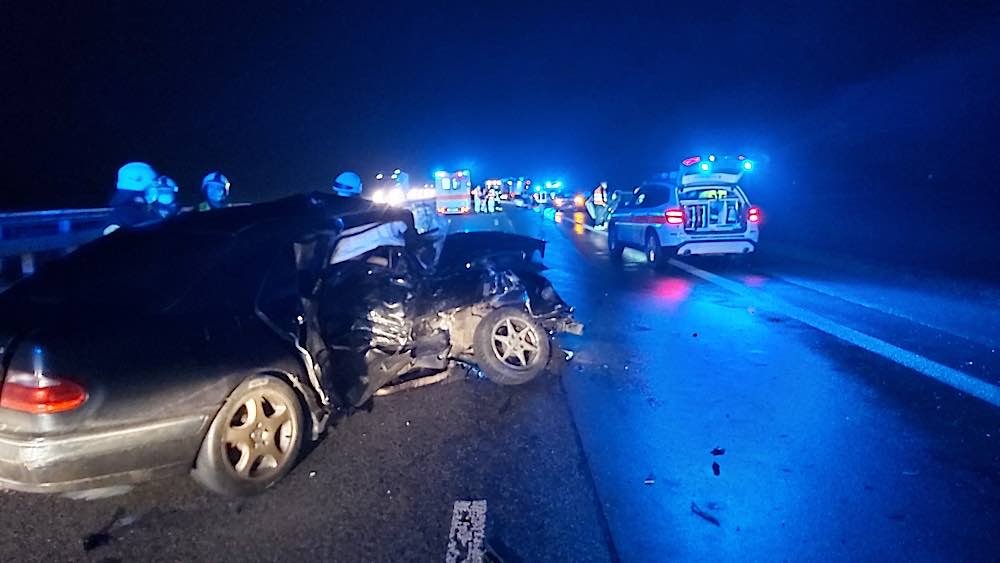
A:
(615, 248)
(254, 440)
(653, 250)
(510, 347)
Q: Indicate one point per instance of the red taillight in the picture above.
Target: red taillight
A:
(753, 215)
(675, 216)
(40, 395)
(691, 161)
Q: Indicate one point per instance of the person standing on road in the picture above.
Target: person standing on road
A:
(492, 195)
(477, 198)
(214, 192)
(129, 205)
(597, 206)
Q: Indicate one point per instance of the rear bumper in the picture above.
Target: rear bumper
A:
(707, 247)
(100, 459)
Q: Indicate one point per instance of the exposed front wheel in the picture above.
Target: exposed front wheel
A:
(510, 347)
(253, 441)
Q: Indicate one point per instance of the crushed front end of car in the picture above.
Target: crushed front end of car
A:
(401, 314)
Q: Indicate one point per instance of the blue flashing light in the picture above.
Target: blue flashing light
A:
(711, 158)
(748, 165)
(38, 361)
(440, 174)
(705, 167)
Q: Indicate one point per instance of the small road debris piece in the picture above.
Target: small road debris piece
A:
(704, 515)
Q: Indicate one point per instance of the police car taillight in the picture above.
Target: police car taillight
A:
(675, 216)
(753, 215)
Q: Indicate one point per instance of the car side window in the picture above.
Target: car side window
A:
(656, 196)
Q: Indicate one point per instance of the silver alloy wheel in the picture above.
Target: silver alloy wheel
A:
(515, 343)
(260, 436)
(651, 249)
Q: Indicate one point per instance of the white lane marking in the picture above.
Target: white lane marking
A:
(956, 379)
(466, 540)
(879, 307)
(949, 376)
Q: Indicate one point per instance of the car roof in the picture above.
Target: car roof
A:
(301, 212)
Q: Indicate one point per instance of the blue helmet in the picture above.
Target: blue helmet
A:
(215, 188)
(348, 184)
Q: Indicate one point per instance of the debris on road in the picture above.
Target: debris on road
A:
(312, 474)
(650, 480)
(718, 451)
(715, 468)
(694, 334)
(642, 328)
(704, 515)
(104, 536)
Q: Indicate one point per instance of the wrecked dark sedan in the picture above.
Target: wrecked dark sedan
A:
(216, 343)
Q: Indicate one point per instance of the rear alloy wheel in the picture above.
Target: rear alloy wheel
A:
(253, 441)
(615, 248)
(654, 254)
(510, 347)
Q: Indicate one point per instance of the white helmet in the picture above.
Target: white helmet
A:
(348, 184)
(136, 177)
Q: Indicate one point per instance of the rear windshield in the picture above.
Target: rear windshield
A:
(709, 192)
(137, 269)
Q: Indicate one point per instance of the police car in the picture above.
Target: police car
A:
(701, 209)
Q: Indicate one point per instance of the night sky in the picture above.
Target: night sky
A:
(282, 99)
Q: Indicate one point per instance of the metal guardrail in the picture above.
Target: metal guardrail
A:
(25, 236)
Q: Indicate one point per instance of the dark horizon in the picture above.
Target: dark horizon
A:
(281, 102)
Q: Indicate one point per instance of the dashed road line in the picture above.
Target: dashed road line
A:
(467, 538)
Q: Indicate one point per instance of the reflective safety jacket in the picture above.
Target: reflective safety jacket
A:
(600, 196)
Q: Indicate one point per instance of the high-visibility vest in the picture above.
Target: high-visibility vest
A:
(600, 198)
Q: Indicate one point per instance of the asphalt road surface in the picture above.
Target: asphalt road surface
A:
(793, 408)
